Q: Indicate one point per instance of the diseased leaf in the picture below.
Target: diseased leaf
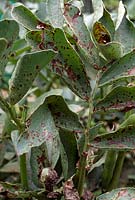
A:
(40, 40)
(119, 194)
(107, 21)
(75, 20)
(85, 47)
(40, 129)
(9, 31)
(55, 13)
(26, 18)
(68, 139)
(120, 68)
(125, 34)
(73, 71)
(122, 139)
(111, 51)
(26, 71)
(38, 159)
(47, 115)
(101, 34)
(120, 98)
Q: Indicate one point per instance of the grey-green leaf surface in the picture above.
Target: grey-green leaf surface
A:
(26, 71)
(125, 34)
(120, 98)
(9, 30)
(69, 142)
(88, 51)
(107, 21)
(55, 13)
(25, 17)
(40, 129)
(119, 194)
(111, 51)
(98, 10)
(122, 139)
(73, 72)
(121, 67)
(63, 117)
(3, 44)
(38, 159)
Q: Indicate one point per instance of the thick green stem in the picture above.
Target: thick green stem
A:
(108, 168)
(23, 171)
(83, 159)
(117, 171)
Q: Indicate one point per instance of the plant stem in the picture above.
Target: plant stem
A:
(108, 168)
(23, 171)
(117, 171)
(22, 159)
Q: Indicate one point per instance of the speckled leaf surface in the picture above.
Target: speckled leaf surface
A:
(125, 34)
(46, 115)
(86, 49)
(108, 23)
(122, 67)
(122, 139)
(38, 159)
(68, 139)
(40, 129)
(9, 30)
(75, 20)
(40, 40)
(55, 13)
(26, 18)
(120, 98)
(26, 71)
(119, 194)
(63, 117)
(73, 71)
(112, 50)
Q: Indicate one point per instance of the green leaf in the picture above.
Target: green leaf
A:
(107, 21)
(34, 38)
(3, 44)
(98, 10)
(120, 98)
(86, 49)
(120, 68)
(73, 72)
(68, 139)
(111, 51)
(119, 194)
(26, 71)
(38, 160)
(125, 34)
(55, 13)
(9, 30)
(26, 18)
(129, 121)
(40, 129)
(122, 139)
(75, 20)
(47, 115)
